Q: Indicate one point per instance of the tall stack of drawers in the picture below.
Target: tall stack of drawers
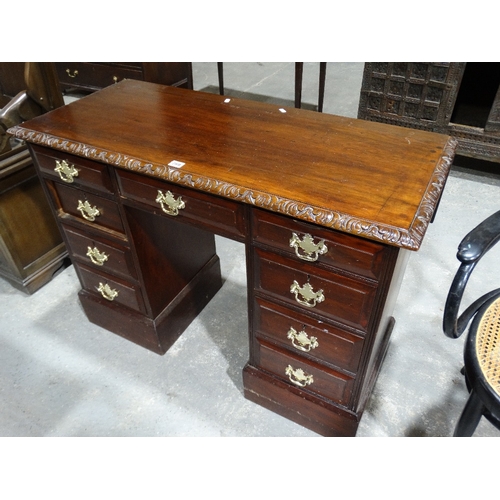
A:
(85, 202)
(130, 282)
(315, 316)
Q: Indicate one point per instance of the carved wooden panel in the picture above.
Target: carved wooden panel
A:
(429, 96)
(412, 94)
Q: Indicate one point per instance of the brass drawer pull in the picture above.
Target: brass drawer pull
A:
(310, 250)
(98, 258)
(66, 171)
(301, 341)
(309, 297)
(88, 212)
(169, 204)
(298, 376)
(74, 75)
(107, 292)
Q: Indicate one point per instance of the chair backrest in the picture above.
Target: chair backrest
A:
(42, 85)
(42, 93)
(470, 251)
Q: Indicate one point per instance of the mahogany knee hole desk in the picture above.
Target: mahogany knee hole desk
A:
(142, 176)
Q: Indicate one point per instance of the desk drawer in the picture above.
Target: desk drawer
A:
(99, 253)
(315, 290)
(296, 371)
(116, 290)
(308, 337)
(341, 251)
(79, 172)
(217, 215)
(98, 211)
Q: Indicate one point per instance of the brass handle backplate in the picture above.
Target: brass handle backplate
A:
(298, 376)
(306, 249)
(301, 341)
(169, 204)
(98, 258)
(66, 171)
(88, 212)
(305, 295)
(107, 292)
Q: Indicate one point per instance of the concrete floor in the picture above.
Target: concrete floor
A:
(62, 376)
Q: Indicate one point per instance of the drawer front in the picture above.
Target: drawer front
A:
(73, 170)
(337, 297)
(305, 336)
(296, 371)
(100, 254)
(218, 215)
(307, 242)
(98, 211)
(94, 76)
(113, 289)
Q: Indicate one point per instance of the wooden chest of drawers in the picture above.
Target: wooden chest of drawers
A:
(98, 234)
(327, 229)
(92, 76)
(317, 315)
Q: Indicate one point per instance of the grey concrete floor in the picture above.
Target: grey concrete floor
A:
(62, 376)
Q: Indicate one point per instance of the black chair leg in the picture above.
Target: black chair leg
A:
(470, 417)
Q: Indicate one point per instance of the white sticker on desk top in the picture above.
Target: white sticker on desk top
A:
(176, 164)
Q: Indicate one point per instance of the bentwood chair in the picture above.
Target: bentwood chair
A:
(482, 345)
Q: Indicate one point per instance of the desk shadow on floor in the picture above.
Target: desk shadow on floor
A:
(228, 93)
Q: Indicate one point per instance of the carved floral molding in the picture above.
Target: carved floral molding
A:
(410, 239)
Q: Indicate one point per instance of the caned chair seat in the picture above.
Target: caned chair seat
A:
(488, 345)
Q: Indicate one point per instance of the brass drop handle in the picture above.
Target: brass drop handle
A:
(74, 75)
(115, 79)
(88, 212)
(298, 376)
(66, 171)
(98, 258)
(306, 249)
(305, 295)
(302, 341)
(169, 204)
(107, 292)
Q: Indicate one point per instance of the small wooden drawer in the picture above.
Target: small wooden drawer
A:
(304, 335)
(98, 211)
(113, 289)
(326, 246)
(95, 75)
(315, 290)
(76, 171)
(100, 253)
(215, 214)
(309, 376)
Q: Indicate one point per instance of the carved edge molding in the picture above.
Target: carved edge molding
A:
(410, 239)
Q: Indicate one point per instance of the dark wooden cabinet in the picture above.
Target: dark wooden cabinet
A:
(139, 202)
(459, 99)
(92, 76)
(31, 247)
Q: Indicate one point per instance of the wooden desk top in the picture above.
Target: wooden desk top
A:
(374, 180)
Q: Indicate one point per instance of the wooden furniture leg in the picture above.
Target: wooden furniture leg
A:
(220, 72)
